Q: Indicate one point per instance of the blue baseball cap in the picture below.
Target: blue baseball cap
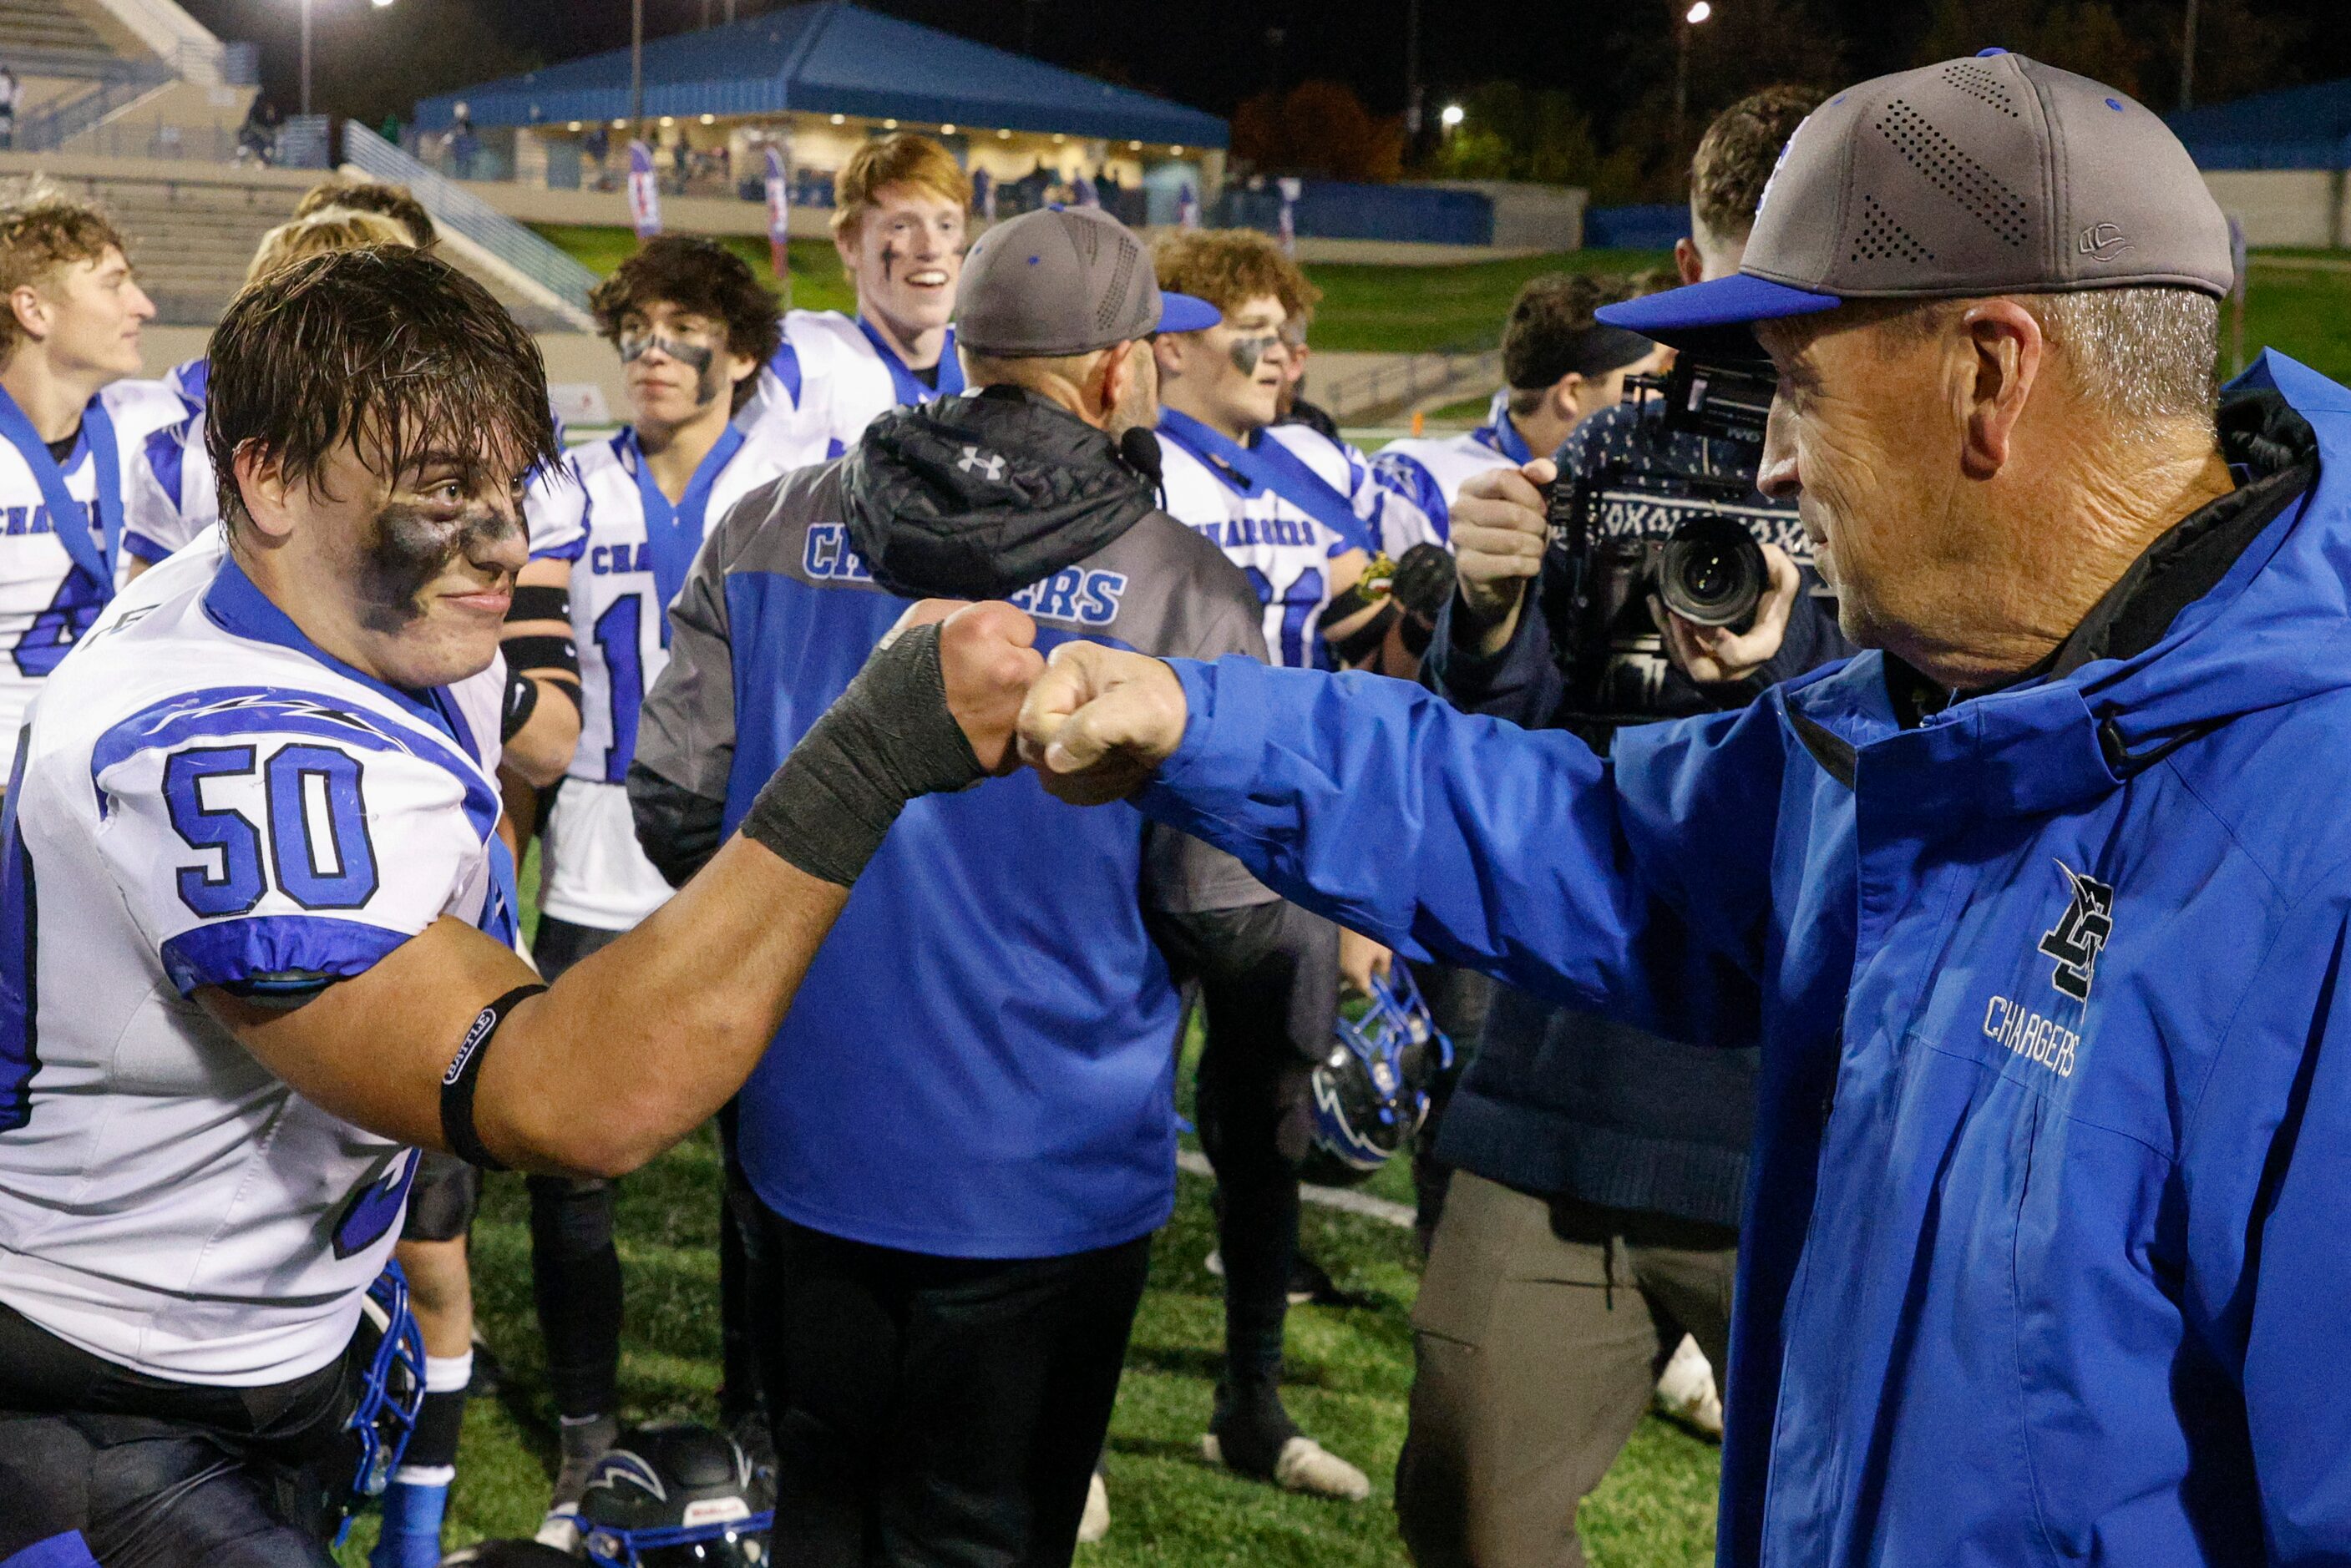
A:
(1990, 175)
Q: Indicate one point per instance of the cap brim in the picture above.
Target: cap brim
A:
(1183, 313)
(1702, 311)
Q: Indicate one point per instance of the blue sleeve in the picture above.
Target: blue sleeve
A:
(2266, 1170)
(1521, 683)
(1518, 853)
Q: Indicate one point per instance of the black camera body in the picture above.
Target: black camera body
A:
(1707, 567)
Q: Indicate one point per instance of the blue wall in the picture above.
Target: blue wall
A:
(1650, 228)
(1335, 210)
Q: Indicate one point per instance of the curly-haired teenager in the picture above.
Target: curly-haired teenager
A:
(693, 326)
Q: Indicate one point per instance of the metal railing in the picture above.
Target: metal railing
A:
(452, 204)
(110, 94)
(1404, 383)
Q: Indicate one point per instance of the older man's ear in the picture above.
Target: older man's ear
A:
(2000, 350)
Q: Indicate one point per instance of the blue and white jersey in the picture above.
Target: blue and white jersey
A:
(47, 601)
(1296, 556)
(205, 798)
(827, 380)
(1429, 470)
(175, 494)
(594, 874)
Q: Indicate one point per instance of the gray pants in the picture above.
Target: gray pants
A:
(1536, 1339)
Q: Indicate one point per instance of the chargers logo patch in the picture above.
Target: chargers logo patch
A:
(2080, 934)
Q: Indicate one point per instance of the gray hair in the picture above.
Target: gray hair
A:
(2143, 357)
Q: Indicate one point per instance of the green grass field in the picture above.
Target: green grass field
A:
(1393, 309)
(1349, 1373)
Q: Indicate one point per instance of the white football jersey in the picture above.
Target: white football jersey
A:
(828, 378)
(1284, 550)
(205, 798)
(173, 495)
(46, 603)
(1429, 471)
(1397, 521)
(593, 872)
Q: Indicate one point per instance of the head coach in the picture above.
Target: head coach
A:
(2048, 896)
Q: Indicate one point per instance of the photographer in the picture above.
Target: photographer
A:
(1592, 1217)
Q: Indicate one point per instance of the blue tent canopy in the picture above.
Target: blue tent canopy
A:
(2293, 128)
(833, 57)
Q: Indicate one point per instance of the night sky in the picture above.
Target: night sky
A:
(1206, 53)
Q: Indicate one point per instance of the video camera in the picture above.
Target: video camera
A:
(1707, 570)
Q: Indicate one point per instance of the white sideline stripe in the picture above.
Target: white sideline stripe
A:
(1194, 1162)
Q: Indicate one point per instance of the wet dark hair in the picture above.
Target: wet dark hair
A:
(386, 347)
(704, 277)
(393, 202)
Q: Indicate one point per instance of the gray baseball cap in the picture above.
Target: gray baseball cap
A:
(1065, 280)
(1991, 175)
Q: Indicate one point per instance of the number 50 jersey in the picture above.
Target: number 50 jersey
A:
(204, 798)
(594, 873)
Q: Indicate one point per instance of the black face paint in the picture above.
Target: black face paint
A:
(889, 259)
(1247, 351)
(408, 548)
(694, 357)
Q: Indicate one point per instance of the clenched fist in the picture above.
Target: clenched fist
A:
(1099, 721)
(1499, 535)
(987, 657)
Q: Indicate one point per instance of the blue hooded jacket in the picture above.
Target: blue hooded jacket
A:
(2047, 1248)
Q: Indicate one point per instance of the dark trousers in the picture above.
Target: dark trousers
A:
(575, 1264)
(935, 1412)
(1536, 1339)
(156, 1474)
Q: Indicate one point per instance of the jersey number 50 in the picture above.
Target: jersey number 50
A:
(316, 823)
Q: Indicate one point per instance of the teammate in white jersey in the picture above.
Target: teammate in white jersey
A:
(255, 923)
(1560, 366)
(693, 326)
(1291, 509)
(71, 426)
(901, 205)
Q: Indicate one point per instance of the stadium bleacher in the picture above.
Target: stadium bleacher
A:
(50, 26)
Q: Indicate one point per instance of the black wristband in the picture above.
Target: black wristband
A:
(539, 601)
(522, 697)
(888, 739)
(541, 653)
(465, 1071)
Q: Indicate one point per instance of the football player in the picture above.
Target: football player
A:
(72, 422)
(693, 326)
(256, 926)
(1560, 366)
(901, 204)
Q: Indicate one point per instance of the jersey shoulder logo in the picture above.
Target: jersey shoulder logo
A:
(2080, 934)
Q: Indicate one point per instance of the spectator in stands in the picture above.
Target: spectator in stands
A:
(257, 139)
(9, 92)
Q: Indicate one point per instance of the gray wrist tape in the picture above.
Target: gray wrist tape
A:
(888, 739)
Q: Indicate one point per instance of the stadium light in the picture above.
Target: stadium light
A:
(841, 119)
(1174, 152)
(1003, 135)
(889, 125)
(379, 5)
(1698, 13)
(573, 126)
(1134, 146)
(1450, 116)
(709, 119)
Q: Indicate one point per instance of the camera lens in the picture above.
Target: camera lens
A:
(1711, 572)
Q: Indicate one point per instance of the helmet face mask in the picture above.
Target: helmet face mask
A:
(1371, 1089)
(391, 1387)
(671, 1496)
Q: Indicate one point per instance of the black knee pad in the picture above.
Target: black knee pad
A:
(574, 1217)
(441, 1199)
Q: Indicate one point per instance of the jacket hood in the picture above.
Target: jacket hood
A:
(977, 496)
(2274, 626)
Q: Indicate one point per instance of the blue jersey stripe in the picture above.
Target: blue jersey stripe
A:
(231, 710)
(261, 947)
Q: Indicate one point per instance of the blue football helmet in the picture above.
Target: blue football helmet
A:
(1371, 1090)
(391, 1384)
(669, 1496)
